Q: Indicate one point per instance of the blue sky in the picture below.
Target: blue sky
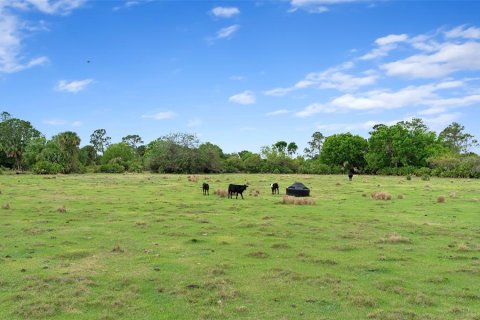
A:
(239, 74)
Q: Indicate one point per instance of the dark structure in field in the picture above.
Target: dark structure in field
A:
(236, 188)
(275, 188)
(205, 187)
(298, 190)
(350, 173)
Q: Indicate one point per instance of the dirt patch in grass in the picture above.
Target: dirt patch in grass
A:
(258, 254)
(280, 246)
(381, 195)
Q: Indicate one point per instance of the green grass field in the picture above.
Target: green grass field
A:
(153, 247)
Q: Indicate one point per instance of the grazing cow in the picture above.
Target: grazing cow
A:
(275, 188)
(206, 187)
(236, 188)
(350, 173)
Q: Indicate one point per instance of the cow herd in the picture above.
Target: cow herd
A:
(238, 189)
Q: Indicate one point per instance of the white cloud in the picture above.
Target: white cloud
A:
(62, 122)
(73, 86)
(450, 58)
(344, 127)
(246, 97)
(315, 108)
(463, 32)
(441, 121)
(225, 12)
(226, 33)
(384, 46)
(13, 30)
(392, 38)
(277, 112)
(315, 6)
(385, 99)
(237, 78)
(160, 115)
(333, 78)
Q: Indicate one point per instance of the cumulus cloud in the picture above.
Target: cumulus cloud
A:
(73, 86)
(315, 6)
(385, 99)
(225, 12)
(384, 45)
(277, 112)
(333, 78)
(13, 30)
(463, 32)
(165, 115)
(246, 97)
(449, 58)
(226, 33)
(62, 122)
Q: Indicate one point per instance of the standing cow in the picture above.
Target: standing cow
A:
(275, 188)
(205, 187)
(236, 188)
(350, 173)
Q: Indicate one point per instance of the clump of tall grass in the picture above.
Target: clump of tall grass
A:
(221, 193)
(426, 177)
(6, 206)
(298, 200)
(400, 196)
(192, 178)
(62, 209)
(380, 195)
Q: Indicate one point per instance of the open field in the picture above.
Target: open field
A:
(152, 247)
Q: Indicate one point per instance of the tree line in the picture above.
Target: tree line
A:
(404, 148)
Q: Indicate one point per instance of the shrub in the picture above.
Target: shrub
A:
(45, 167)
(112, 168)
(192, 178)
(409, 177)
(426, 177)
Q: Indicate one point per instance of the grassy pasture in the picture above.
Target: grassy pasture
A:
(153, 247)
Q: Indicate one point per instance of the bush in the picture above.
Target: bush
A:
(426, 177)
(112, 168)
(45, 167)
(409, 177)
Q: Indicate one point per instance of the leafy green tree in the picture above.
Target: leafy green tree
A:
(173, 153)
(407, 143)
(456, 139)
(210, 156)
(15, 135)
(100, 140)
(244, 154)
(344, 149)
(315, 145)
(292, 148)
(69, 143)
(253, 163)
(87, 155)
(133, 140)
(120, 152)
(281, 146)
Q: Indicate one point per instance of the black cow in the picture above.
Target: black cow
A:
(350, 173)
(236, 188)
(275, 188)
(205, 187)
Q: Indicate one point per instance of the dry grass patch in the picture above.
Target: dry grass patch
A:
(441, 199)
(117, 249)
(62, 209)
(400, 196)
(6, 206)
(394, 238)
(453, 194)
(221, 193)
(258, 254)
(192, 178)
(380, 195)
(298, 200)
